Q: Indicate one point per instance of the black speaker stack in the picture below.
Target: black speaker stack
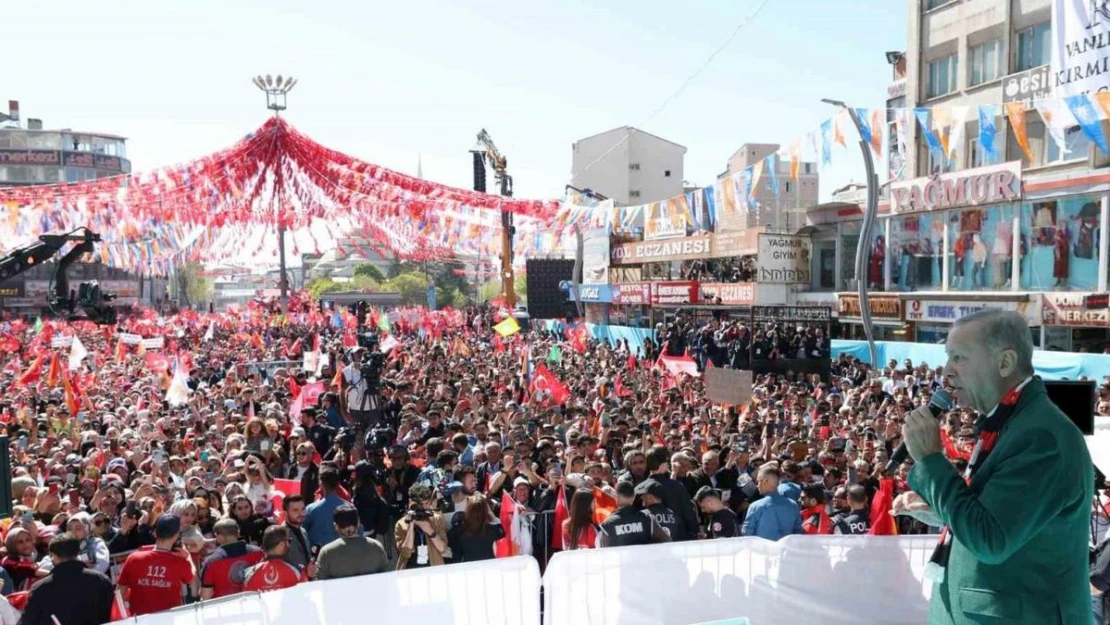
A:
(545, 299)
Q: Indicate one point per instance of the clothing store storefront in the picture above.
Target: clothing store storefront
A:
(991, 229)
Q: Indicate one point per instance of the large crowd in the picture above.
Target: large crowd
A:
(257, 449)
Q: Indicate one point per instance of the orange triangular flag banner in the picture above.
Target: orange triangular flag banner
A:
(1015, 112)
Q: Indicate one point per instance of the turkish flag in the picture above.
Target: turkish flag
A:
(544, 380)
(604, 505)
(882, 523)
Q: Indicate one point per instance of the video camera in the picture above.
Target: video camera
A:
(373, 362)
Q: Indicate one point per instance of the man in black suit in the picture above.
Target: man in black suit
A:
(305, 470)
(72, 594)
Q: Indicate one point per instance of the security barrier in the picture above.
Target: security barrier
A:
(831, 580)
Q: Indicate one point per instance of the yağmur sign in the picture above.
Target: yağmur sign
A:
(973, 187)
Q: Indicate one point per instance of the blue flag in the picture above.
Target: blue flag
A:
(771, 165)
(1085, 114)
(930, 137)
(987, 129)
(710, 206)
(864, 125)
(826, 145)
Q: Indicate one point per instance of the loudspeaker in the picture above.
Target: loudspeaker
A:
(545, 299)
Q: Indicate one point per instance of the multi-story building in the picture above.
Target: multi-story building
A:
(1011, 226)
(781, 212)
(628, 165)
(30, 155)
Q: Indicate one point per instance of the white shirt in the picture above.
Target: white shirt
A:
(355, 388)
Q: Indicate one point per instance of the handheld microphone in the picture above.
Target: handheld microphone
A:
(939, 403)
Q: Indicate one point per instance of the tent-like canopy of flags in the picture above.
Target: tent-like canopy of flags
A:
(212, 208)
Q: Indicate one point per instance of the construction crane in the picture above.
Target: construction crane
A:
(489, 154)
(64, 302)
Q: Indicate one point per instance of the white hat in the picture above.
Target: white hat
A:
(521, 480)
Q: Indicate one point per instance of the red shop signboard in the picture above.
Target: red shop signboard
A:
(635, 294)
(672, 293)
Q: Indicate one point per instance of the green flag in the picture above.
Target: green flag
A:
(555, 355)
(38, 325)
(383, 321)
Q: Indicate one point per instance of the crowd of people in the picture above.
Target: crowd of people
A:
(258, 449)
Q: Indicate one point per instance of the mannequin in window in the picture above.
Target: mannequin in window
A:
(979, 261)
(1002, 252)
(1060, 259)
(960, 250)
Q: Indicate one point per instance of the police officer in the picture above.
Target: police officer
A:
(858, 519)
(651, 493)
(629, 526)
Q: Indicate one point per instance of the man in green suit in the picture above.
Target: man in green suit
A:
(1019, 525)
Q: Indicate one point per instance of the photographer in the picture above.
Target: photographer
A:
(421, 534)
(355, 398)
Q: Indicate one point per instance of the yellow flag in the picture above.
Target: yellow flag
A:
(508, 327)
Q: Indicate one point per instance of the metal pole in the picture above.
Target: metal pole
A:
(869, 215)
(283, 283)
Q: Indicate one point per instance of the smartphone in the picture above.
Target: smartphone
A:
(28, 516)
(53, 489)
(204, 456)
(557, 469)
(74, 497)
(22, 443)
(159, 457)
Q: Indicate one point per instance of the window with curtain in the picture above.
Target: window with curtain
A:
(1033, 47)
(985, 62)
(942, 76)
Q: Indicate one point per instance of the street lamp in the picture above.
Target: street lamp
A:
(865, 232)
(276, 90)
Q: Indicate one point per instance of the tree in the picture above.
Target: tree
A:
(320, 286)
(412, 286)
(371, 271)
(192, 287)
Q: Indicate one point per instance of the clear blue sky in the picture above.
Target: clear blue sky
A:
(387, 81)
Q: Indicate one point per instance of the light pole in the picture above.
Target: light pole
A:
(275, 91)
(865, 232)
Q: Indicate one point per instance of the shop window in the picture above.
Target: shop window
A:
(1060, 242)
(915, 252)
(876, 259)
(981, 244)
(1077, 146)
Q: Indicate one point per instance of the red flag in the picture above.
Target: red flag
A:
(882, 523)
(561, 514)
(121, 352)
(631, 364)
(54, 374)
(680, 364)
(505, 547)
(157, 362)
(544, 380)
(71, 394)
(604, 505)
(294, 388)
(33, 373)
(950, 448)
(578, 339)
(498, 344)
(618, 386)
(288, 487)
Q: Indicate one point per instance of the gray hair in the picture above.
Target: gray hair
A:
(1004, 329)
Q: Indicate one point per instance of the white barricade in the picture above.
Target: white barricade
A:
(802, 579)
(495, 592)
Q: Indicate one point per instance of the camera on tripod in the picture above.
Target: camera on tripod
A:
(373, 362)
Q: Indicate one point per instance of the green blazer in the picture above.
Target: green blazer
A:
(1021, 528)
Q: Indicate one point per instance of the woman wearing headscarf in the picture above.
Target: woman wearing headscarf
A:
(20, 560)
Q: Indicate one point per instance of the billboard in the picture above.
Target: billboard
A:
(595, 257)
(783, 259)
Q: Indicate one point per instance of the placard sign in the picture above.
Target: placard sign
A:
(728, 386)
